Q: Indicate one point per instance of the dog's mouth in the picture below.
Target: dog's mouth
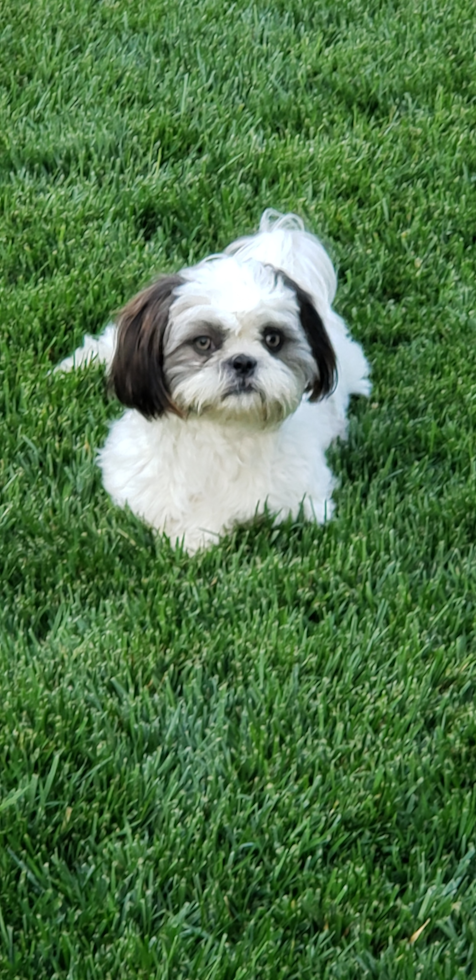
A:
(242, 388)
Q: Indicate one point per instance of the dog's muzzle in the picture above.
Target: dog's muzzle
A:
(242, 368)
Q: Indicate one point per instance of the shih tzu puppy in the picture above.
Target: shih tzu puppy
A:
(236, 374)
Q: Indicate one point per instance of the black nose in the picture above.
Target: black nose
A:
(243, 364)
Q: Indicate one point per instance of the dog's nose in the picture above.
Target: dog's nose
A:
(243, 364)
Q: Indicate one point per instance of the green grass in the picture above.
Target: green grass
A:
(258, 762)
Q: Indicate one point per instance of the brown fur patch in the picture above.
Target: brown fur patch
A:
(137, 374)
(318, 340)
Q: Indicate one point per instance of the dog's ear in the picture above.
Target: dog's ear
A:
(318, 340)
(137, 374)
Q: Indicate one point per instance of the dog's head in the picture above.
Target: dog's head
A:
(235, 340)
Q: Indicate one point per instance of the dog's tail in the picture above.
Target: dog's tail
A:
(283, 242)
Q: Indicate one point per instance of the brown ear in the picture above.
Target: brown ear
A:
(137, 374)
(318, 340)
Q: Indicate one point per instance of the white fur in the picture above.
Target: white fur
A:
(194, 478)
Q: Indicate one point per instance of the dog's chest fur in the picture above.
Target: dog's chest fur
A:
(195, 479)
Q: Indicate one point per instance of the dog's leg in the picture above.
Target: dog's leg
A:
(99, 350)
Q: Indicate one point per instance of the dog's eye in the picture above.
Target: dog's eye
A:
(203, 344)
(273, 339)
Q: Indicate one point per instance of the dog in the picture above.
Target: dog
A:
(236, 374)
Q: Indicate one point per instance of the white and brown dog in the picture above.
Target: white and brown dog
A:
(237, 375)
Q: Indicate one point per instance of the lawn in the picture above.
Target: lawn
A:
(257, 763)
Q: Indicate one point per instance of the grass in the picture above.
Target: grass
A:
(257, 762)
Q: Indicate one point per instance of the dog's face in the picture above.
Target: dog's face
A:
(227, 339)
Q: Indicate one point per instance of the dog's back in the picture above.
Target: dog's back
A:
(283, 242)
